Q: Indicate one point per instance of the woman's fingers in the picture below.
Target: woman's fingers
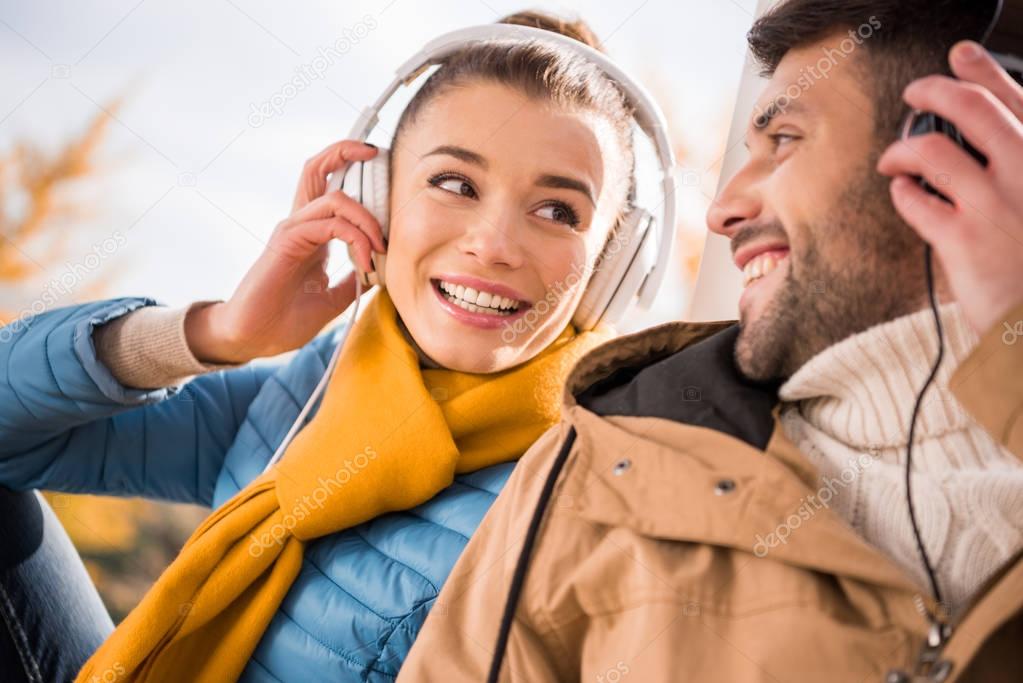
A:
(304, 239)
(343, 293)
(342, 206)
(313, 182)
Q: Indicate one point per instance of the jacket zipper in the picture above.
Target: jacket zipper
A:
(929, 666)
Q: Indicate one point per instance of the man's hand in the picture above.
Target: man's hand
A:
(979, 237)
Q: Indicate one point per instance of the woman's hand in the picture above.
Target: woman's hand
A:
(284, 298)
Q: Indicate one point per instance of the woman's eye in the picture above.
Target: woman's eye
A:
(559, 213)
(454, 185)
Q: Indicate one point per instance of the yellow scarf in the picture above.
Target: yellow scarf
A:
(387, 436)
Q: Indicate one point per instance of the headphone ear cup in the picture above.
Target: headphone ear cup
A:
(627, 260)
(367, 183)
(376, 191)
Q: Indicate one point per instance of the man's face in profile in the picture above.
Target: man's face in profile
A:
(824, 254)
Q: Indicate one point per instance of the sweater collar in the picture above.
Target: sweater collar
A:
(861, 391)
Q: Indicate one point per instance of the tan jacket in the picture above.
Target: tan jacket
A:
(654, 559)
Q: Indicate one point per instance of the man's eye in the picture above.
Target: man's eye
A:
(454, 184)
(780, 139)
(559, 213)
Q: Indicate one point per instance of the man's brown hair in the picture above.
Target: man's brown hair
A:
(895, 41)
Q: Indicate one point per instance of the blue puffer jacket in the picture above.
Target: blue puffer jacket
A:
(67, 425)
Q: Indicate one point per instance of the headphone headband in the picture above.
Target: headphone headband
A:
(646, 113)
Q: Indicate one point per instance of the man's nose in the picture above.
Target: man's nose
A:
(738, 203)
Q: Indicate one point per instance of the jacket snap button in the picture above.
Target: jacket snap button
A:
(621, 466)
(724, 486)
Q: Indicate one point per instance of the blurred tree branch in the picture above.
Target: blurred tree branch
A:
(31, 195)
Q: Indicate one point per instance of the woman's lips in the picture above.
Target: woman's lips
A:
(487, 321)
(482, 285)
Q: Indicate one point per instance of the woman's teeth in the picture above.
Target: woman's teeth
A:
(760, 266)
(476, 301)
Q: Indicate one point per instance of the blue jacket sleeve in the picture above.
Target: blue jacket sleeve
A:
(66, 424)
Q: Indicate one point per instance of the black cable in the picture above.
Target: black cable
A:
(519, 577)
(929, 266)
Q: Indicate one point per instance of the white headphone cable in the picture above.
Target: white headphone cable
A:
(322, 383)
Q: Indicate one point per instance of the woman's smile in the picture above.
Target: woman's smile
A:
(480, 303)
(493, 217)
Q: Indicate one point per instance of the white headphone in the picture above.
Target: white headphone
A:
(634, 266)
(634, 263)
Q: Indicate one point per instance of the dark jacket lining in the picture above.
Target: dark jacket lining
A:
(698, 385)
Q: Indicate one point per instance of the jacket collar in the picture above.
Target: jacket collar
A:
(697, 384)
(635, 350)
(706, 471)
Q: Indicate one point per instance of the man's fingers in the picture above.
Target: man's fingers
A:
(945, 165)
(971, 62)
(929, 215)
(981, 117)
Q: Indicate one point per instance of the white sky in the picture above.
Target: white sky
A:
(196, 190)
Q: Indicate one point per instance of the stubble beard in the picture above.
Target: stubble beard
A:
(863, 268)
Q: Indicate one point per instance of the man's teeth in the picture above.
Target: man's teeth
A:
(477, 301)
(760, 266)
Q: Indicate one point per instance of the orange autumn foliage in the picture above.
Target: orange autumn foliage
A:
(124, 542)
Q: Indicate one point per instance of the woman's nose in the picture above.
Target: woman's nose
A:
(494, 240)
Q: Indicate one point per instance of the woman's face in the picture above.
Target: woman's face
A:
(500, 205)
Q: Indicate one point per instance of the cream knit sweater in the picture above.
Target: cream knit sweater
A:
(147, 348)
(854, 397)
(857, 397)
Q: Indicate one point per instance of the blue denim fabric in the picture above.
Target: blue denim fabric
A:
(51, 617)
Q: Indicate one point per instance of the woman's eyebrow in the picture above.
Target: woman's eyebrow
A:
(561, 182)
(466, 155)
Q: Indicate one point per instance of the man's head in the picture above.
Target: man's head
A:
(824, 253)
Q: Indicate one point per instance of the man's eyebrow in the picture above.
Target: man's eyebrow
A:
(461, 153)
(772, 111)
(768, 114)
(565, 183)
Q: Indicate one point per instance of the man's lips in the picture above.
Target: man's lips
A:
(749, 252)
